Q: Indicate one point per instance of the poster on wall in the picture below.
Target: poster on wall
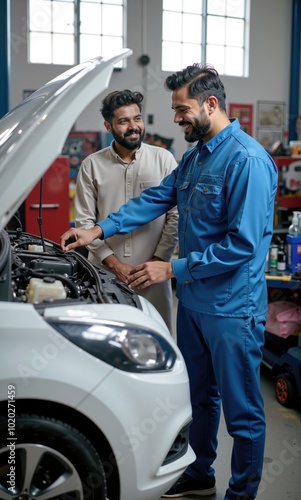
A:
(270, 123)
(269, 138)
(271, 114)
(244, 113)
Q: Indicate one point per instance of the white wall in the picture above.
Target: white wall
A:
(269, 75)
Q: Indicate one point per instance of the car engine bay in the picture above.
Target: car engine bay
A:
(35, 270)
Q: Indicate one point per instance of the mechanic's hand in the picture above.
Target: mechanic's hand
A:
(75, 237)
(149, 273)
(120, 269)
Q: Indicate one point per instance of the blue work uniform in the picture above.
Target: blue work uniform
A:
(224, 190)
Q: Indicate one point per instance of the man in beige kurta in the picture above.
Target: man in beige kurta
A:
(112, 176)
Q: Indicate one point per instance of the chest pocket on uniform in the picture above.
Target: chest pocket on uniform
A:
(207, 198)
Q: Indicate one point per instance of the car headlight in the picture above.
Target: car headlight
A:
(123, 346)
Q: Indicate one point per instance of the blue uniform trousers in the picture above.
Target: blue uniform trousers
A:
(223, 356)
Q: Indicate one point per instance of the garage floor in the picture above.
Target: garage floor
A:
(282, 463)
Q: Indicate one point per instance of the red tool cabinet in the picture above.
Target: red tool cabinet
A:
(55, 202)
(289, 182)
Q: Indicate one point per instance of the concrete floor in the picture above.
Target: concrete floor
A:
(281, 478)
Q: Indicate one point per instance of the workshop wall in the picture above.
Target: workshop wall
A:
(269, 72)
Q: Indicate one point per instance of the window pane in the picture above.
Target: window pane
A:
(40, 48)
(184, 28)
(65, 56)
(217, 7)
(235, 9)
(111, 45)
(216, 56)
(90, 46)
(110, 12)
(63, 17)
(231, 8)
(234, 61)
(172, 26)
(40, 15)
(93, 46)
(192, 6)
(191, 54)
(192, 28)
(112, 2)
(90, 18)
(216, 30)
(235, 32)
(57, 17)
(171, 56)
(175, 5)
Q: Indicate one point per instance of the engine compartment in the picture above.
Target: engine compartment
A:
(30, 267)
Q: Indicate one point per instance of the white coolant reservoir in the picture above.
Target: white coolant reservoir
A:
(35, 248)
(44, 289)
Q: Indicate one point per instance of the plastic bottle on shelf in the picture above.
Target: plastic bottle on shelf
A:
(281, 260)
(294, 229)
(299, 223)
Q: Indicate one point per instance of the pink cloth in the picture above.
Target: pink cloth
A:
(283, 318)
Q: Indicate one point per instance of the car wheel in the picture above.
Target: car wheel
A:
(284, 390)
(48, 459)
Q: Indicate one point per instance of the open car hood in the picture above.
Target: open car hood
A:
(33, 134)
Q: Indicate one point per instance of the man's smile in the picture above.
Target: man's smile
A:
(133, 135)
(185, 126)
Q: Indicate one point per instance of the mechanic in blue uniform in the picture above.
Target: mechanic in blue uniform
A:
(224, 188)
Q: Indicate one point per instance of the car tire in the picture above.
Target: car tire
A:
(284, 390)
(46, 454)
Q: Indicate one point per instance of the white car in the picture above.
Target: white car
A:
(94, 393)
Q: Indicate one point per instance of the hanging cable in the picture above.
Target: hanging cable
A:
(40, 219)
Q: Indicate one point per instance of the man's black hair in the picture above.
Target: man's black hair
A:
(117, 99)
(202, 81)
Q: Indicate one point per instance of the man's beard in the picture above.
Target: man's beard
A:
(199, 130)
(123, 141)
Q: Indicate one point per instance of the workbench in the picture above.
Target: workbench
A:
(278, 279)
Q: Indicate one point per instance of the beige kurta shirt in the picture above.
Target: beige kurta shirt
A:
(104, 183)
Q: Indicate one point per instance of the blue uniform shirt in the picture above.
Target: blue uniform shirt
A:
(224, 190)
